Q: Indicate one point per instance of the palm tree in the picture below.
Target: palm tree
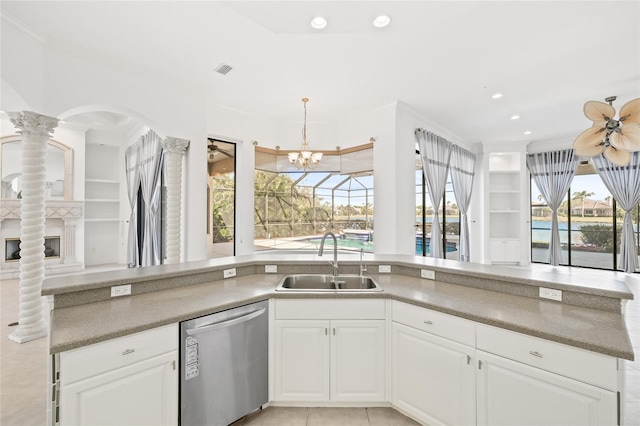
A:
(582, 195)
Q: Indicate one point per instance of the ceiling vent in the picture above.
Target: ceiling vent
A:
(223, 69)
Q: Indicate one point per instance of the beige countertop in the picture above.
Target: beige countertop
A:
(592, 329)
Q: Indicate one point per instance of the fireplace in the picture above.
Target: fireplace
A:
(61, 239)
(12, 248)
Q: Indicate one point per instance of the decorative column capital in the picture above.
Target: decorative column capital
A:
(175, 145)
(31, 122)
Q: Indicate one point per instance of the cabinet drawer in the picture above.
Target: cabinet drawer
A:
(88, 361)
(330, 309)
(585, 366)
(443, 325)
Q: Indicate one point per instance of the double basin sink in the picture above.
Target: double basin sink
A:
(318, 282)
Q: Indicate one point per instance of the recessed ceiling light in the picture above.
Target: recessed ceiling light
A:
(497, 95)
(381, 21)
(318, 22)
(515, 117)
(528, 132)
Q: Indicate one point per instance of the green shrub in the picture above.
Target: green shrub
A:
(600, 235)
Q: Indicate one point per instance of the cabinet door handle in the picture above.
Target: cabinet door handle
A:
(128, 351)
(428, 322)
(535, 353)
(468, 359)
(326, 331)
(334, 331)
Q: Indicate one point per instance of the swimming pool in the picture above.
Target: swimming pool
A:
(355, 244)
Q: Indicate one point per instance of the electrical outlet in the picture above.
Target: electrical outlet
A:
(120, 290)
(549, 293)
(384, 269)
(270, 269)
(228, 273)
(430, 275)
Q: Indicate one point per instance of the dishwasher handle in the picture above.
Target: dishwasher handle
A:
(226, 323)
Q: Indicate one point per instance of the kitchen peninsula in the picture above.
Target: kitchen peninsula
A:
(485, 315)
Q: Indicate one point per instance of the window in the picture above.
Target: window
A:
(294, 208)
(587, 219)
(449, 217)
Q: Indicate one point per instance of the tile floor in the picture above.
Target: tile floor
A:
(301, 416)
(23, 370)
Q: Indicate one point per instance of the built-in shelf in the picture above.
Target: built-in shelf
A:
(102, 204)
(504, 206)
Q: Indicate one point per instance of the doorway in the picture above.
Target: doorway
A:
(221, 198)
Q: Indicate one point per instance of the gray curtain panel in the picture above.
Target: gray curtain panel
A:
(624, 184)
(552, 173)
(150, 166)
(133, 183)
(462, 169)
(435, 153)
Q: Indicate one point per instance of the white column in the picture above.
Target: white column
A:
(35, 130)
(174, 149)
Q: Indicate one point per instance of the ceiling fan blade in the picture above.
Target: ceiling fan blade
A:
(589, 138)
(598, 111)
(627, 137)
(630, 112)
(589, 151)
(617, 156)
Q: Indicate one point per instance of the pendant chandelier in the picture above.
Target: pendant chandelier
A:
(616, 138)
(305, 159)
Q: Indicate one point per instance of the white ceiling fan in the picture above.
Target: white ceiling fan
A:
(616, 138)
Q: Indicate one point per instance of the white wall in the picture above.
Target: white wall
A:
(22, 69)
(63, 83)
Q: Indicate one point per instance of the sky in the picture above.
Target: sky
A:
(591, 183)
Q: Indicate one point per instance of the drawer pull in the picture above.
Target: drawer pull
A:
(128, 351)
(428, 322)
(535, 353)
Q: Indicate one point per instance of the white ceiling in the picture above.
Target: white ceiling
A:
(443, 58)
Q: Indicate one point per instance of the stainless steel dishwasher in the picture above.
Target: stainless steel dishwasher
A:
(224, 365)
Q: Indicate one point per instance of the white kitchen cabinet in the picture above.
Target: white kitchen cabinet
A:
(526, 380)
(357, 360)
(302, 360)
(504, 250)
(326, 359)
(433, 377)
(322, 360)
(128, 380)
(512, 393)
